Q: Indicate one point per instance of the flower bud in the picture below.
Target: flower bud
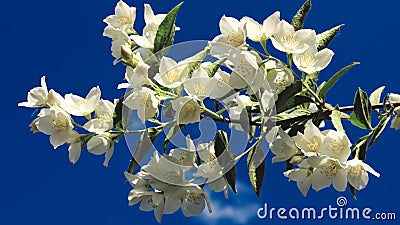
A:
(126, 52)
(33, 126)
(297, 159)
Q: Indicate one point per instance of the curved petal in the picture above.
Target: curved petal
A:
(323, 58)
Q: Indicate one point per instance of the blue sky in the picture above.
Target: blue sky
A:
(63, 40)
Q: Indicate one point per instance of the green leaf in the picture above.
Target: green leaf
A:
(353, 191)
(171, 133)
(166, 31)
(143, 147)
(256, 168)
(194, 61)
(291, 115)
(361, 115)
(293, 102)
(332, 81)
(300, 17)
(213, 67)
(289, 92)
(325, 38)
(221, 145)
(379, 129)
(361, 147)
(336, 120)
(375, 97)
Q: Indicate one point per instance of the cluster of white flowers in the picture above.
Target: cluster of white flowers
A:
(55, 119)
(321, 158)
(245, 85)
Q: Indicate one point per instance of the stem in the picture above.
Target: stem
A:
(248, 150)
(205, 109)
(260, 53)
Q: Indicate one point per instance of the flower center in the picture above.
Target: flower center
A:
(172, 76)
(105, 117)
(290, 42)
(125, 19)
(193, 198)
(80, 103)
(59, 124)
(189, 108)
(336, 146)
(307, 60)
(234, 39)
(313, 144)
(355, 171)
(281, 80)
(330, 170)
(199, 89)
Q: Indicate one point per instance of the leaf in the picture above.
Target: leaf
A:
(256, 168)
(300, 17)
(294, 114)
(332, 81)
(361, 147)
(379, 129)
(336, 119)
(221, 145)
(213, 67)
(325, 38)
(361, 115)
(353, 191)
(194, 61)
(143, 147)
(171, 134)
(286, 94)
(166, 31)
(293, 102)
(375, 96)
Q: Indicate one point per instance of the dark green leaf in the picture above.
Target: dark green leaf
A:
(256, 168)
(332, 81)
(361, 115)
(353, 191)
(194, 62)
(166, 31)
(324, 38)
(227, 160)
(293, 102)
(379, 129)
(300, 17)
(289, 92)
(171, 134)
(361, 147)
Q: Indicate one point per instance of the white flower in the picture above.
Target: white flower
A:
(187, 110)
(166, 170)
(236, 112)
(75, 147)
(79, 106)
(40, 96)
(211, 169)
(357, 173)
(150, 30)
(233, 35)
(144, 101)
(55, 122)
(312, 61)
(303, 178)
(327, 171)
(336, 145)
(154, 202)
(115, 33)
(171, 74)
(283, 147)
(104, 118)
(190, 197)
(279, 79)
(200, 85)
(246, 72)
(290, 41)
(311, 141)
(137, 76)
(101, 144)
(186, 157)
(396, 120)
(222, 90)
(124, 17)
(259, 33)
